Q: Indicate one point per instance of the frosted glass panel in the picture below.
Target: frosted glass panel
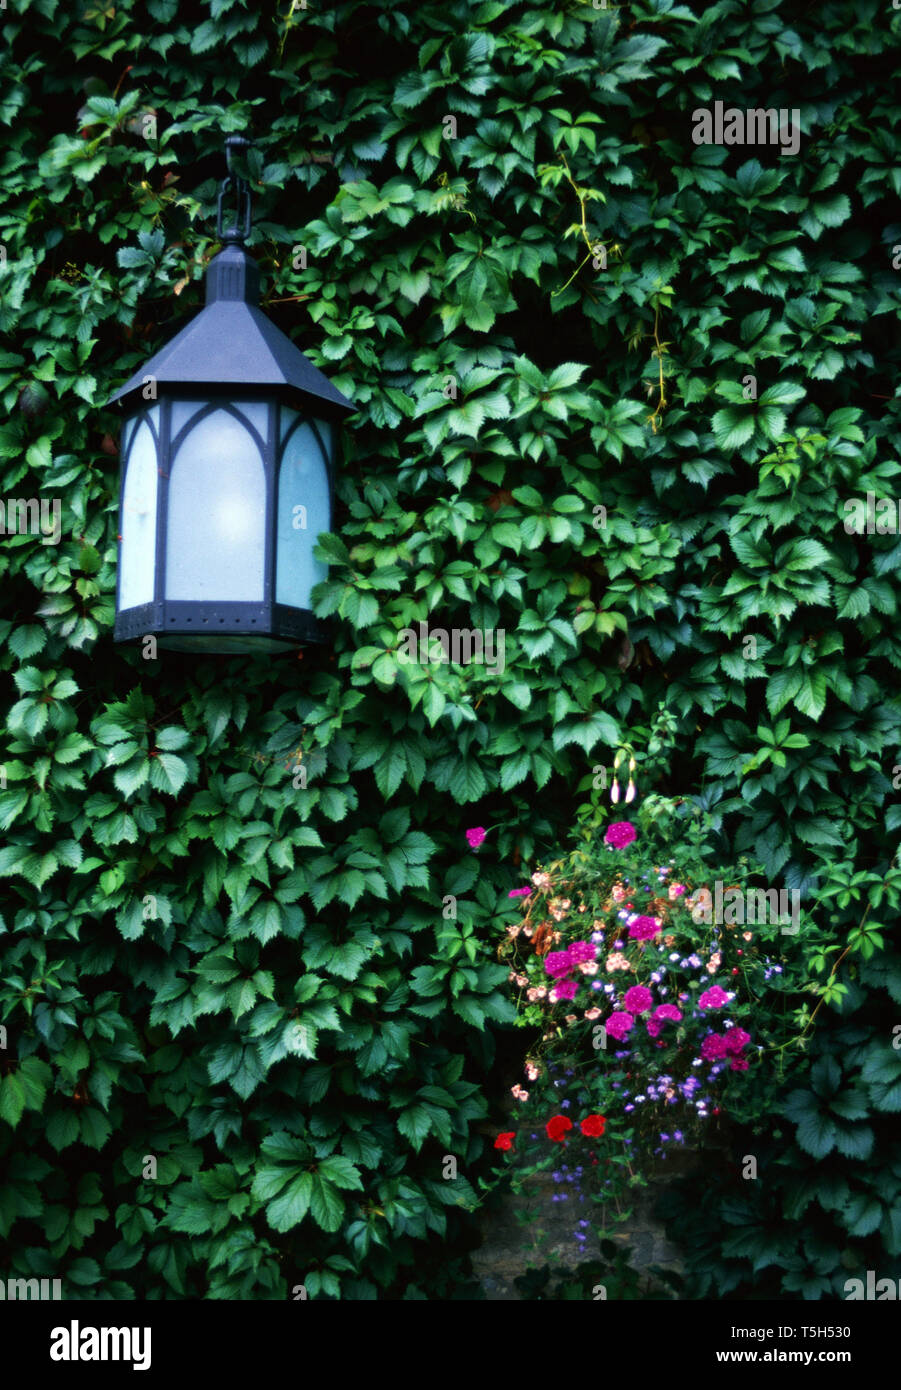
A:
(137, 552)
(326, 434)
(181, 412)
(257, 412)
(303, 513)
(217, 512)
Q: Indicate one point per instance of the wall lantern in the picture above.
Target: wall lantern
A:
(228, 449)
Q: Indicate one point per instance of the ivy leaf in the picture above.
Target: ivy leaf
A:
(732, 427)
(288, 1210)
(414, 1124)
(168, 773)
(326, 1205)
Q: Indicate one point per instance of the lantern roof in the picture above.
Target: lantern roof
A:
(231, 342)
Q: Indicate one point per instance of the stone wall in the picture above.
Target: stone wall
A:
(530, 1230)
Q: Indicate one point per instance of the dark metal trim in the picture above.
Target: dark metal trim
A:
(178, 618)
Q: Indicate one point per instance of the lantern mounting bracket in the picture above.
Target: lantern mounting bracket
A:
(239, 230)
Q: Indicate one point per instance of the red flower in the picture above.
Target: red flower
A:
(557, 1126)
(505, 1141)
(593, 1126)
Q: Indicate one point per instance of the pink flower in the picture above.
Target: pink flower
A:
(619, 1024)
(558, 963)
(532, 1071)
(582, 951)
(643, 929)
(519, 1093)
(519, 892)
(592, 1013)
(662, 1013)
(714, 998)
(475, 836)
(619, 894)
(535, 993)
(638, 999)
(565, 990)
(589, 967)
(736, 1039)
(620, 834)
(738, 1064)
(675, 891)
(713, 1047)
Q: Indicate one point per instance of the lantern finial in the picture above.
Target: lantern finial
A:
(239, 230)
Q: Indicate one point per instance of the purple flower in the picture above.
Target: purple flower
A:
(619, 1024)
(713, 1047)
(565, 990)
(638, 999)
(662, 1013)
(475, 836)
(643, 929)
(620, 834)
(714, 998)
(582, 951)
(736, 1039)
(558, 963)
(519, 892)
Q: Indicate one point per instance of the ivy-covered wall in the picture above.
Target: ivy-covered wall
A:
(489, 224)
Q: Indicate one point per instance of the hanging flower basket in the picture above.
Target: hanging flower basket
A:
(655, 996)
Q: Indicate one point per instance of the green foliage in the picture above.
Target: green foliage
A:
(253, 983)
(610, 1277)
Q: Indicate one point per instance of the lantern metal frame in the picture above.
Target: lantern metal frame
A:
(228, 355)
